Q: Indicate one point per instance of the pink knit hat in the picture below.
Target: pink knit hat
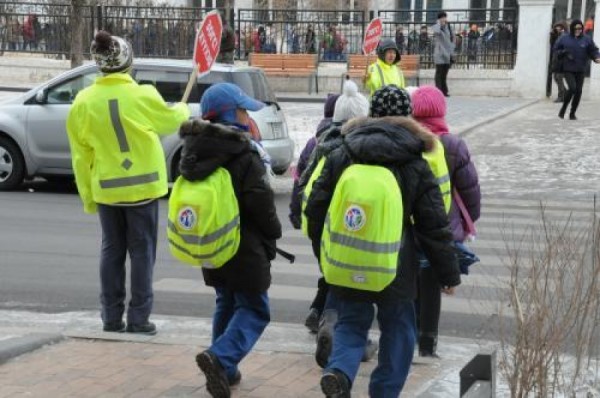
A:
(428, 101)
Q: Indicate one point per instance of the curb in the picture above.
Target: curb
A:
(13, 347)
(462, 132)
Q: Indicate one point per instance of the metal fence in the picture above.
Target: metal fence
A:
(170, 31)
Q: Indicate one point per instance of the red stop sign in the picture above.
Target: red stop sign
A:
(208, 41)
(372, 36)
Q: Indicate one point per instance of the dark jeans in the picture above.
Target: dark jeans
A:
(396, 345)
(559, 79)
(575, 83)
(126, 229)
(428, 307)
(441, 73)
(238, 322)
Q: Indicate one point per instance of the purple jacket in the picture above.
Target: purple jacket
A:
(463, 178)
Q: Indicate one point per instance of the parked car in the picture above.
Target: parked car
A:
(33, 138)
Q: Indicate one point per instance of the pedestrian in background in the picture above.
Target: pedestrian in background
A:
(227, 48)
(429, 109)
(396, 143)
(242, 309)
(385, 70)
(443, 51)
(120, 171)
(473, 41)
(575, 49)
(556, 63)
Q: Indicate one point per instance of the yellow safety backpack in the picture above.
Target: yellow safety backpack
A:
(362, 235)
(204, 220)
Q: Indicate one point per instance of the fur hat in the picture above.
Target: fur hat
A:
(390, 101)
(350, 104)
(428, 101)
(111, 53)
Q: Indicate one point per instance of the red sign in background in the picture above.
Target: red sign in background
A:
(372, 36)
(208, 41)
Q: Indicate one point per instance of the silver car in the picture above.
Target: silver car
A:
(33, 138)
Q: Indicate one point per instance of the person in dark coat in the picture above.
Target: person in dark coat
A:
(557, 73)
(242, 304)
(429, 109)
(575, 49)
(397, 143)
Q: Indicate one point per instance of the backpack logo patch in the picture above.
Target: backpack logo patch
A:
(355, 218)
(187, 218)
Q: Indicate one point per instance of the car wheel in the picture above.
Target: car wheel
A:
(12, 165)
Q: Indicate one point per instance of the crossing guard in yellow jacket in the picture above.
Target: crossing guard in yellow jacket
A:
(385, 71)
(120, 171)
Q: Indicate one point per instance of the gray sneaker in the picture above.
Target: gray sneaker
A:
(147, 328)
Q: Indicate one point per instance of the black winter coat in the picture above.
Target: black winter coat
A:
(209, 146)
(398, 143)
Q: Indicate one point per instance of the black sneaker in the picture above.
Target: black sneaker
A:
(428, 354)
(147, 328)
(335, 384)
(118, 327)
(216, 379)
(312, 321)
(572, 116)
(370, 350)
(236, 379)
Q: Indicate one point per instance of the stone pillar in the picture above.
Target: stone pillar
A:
(529, 75)
(595, 75)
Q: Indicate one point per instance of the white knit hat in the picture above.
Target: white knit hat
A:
(351, 104)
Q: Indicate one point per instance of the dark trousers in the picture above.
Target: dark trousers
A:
(238, 322)
(575, 87)
(126, 229)
(559, 79)
(321, 296)
(396, 344)
(441, 73)
(428, 307)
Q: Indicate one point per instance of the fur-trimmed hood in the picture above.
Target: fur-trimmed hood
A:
(390, 139)
(207, 146)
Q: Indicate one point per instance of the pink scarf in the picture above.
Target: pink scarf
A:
(437, 125)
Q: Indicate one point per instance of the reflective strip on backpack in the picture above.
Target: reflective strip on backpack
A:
(358, 268)
(201, 256)
(362, 244)
(129, 181)
(192, 239)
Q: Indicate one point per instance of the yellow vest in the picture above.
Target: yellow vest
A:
(113, 129)
(306, 194)
(437, 162)
(203, 227)
(382, 74)
(362, 236)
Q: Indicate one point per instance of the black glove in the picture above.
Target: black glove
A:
(296, 221)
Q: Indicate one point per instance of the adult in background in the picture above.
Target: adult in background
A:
(227, 49)
(120, 171)
(575, 49)
(443, 51)
(557, 71)
(242, 303)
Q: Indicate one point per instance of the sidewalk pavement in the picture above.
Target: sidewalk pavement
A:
(84, 361)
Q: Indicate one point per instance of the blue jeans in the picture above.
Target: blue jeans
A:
(238, 322)
(396, 344)
(126, 229)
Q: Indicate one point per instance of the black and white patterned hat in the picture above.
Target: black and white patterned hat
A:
(116, 58)
(390, 101)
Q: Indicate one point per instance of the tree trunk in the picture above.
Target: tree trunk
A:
(76, 20)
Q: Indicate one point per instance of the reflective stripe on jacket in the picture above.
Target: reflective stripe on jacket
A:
(116, 153)
(382, 74)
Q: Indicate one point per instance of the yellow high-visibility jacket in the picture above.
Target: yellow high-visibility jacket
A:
(382, 74)
(113, 129)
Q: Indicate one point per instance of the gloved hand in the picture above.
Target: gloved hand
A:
(296, 221)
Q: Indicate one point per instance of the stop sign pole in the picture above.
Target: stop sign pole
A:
(206, 48)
